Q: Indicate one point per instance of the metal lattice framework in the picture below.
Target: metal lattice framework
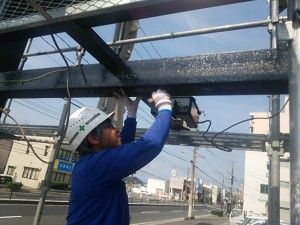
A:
(253, 72)
(236, 141)
(21, 20)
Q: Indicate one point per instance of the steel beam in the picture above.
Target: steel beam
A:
(96, 13)
(235, 73)
(234, 141)
(92, 43)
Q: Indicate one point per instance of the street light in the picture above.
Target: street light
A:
(222, 188)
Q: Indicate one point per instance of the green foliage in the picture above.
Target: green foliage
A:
(136, 180)
(217, 212)
(59, 185)
(5, 179)
(14, 186)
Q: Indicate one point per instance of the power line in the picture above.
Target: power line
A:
(36, 110)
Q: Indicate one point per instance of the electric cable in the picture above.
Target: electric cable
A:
(24, 136)
(210, 141)
(209, 176)
(150, 42)
(250, 119)
(40, 106)
(36, 110)
(34, 78)
(65, 117)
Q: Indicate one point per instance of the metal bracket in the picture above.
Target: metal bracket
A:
(269, 150)
(285, 32)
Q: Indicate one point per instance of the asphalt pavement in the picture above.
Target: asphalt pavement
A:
(207, 220)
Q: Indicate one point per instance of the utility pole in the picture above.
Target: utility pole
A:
(185, 187)
(231, 185)
(191, 199)
(130, 185)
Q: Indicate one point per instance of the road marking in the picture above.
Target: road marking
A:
(150, 212)
(160, 222)
(9, 217)
(177, 210)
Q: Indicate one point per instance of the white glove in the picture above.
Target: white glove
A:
(130, 105)
(162, 100)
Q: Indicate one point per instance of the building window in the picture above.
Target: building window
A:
(10, 170)
(47, 147)
(31, 173)
(264, 188)
(64, 154)
(75, 157)
(58, 177)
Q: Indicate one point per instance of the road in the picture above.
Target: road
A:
(23, 214)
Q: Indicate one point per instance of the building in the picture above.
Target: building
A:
(158, 187)
(210, 193)
(29, 165)
(257, 173)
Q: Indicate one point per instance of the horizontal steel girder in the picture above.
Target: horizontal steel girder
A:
(235, 73)
(96, 13)
(233, 141)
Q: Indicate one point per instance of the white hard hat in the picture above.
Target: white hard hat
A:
(82, 122)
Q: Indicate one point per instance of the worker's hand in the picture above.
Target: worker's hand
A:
(130, 105)
(162, 100)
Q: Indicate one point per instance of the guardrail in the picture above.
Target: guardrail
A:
(156, 201)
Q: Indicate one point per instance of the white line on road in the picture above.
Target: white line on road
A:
(9, 217)
(150, 212)
(160, 222)
(177, 210)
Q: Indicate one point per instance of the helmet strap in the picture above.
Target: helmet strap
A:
(99, 134)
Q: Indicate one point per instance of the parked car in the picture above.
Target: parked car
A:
(258, 221)
(253, 214)
(252, 219)
(236, 216)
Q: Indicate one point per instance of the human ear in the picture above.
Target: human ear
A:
(93, 139)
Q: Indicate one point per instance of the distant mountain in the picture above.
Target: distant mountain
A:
(136, 181)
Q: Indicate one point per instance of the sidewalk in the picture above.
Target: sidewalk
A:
(209, 220)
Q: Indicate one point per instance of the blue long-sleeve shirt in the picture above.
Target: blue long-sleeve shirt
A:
(98, 194)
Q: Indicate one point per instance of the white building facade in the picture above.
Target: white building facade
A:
(257, 173)
(157, 187)
(25, 167)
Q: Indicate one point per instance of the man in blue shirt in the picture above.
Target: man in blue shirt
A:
(98, 195)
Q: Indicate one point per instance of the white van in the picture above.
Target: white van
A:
(236, 216)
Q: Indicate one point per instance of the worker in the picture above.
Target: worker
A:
(98, 194)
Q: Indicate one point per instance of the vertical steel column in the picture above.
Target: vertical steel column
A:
(294, 92)
(274, 199)
(274, 175)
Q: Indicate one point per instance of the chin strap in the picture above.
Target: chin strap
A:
(99, 134)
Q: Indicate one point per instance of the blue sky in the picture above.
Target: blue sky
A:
(223, 111)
